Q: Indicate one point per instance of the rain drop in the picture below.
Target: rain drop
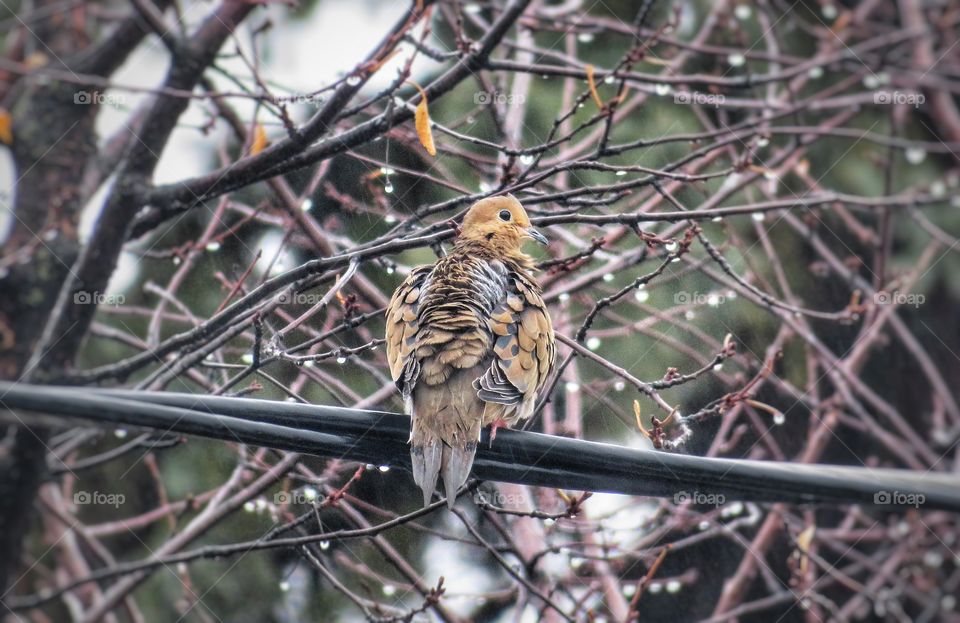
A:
(213, 247)
(758, 216)
(353, 80)
(621, 173)
(389, 219)
(388, 187)
(815, 72)
(734, 509)
(673, 586)
(593, 343)
(779, 418)
(608, 277)
(307, 205)
(743, 12)
(933, 559)
(120, 433)
(736, 59)
(829, 11)
(671, 246)
(662, 89)
(915, 155)
(585, 37)
(526, 159)
(284, 586)
(642, 296)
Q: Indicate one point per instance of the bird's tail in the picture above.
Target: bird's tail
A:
(434, 454)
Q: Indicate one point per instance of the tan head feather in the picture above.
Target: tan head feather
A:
(500, 224)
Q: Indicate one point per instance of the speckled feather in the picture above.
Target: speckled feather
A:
(469, 342)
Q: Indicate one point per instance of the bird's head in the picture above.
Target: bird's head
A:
(499, 223)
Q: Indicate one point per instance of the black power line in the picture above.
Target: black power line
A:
(516, 456)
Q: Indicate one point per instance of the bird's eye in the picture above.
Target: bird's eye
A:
(504, 215)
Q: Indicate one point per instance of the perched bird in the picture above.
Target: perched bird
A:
(469, 342)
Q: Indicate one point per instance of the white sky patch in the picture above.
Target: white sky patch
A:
(270, 242)
(453, 562)
(298, 55)
(7, 192)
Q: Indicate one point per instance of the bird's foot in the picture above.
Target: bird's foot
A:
(497, 423)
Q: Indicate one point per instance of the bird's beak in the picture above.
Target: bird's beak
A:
(533, 233)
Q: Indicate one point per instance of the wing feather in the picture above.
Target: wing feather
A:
(524, 348)
(402, 326)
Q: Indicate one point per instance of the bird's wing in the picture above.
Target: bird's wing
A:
(523, 349)
(402, 325)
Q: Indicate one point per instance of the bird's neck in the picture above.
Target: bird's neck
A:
(516, 258)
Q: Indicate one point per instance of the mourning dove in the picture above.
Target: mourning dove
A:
(469, 342)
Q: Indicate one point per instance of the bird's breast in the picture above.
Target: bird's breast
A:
(453, 316)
